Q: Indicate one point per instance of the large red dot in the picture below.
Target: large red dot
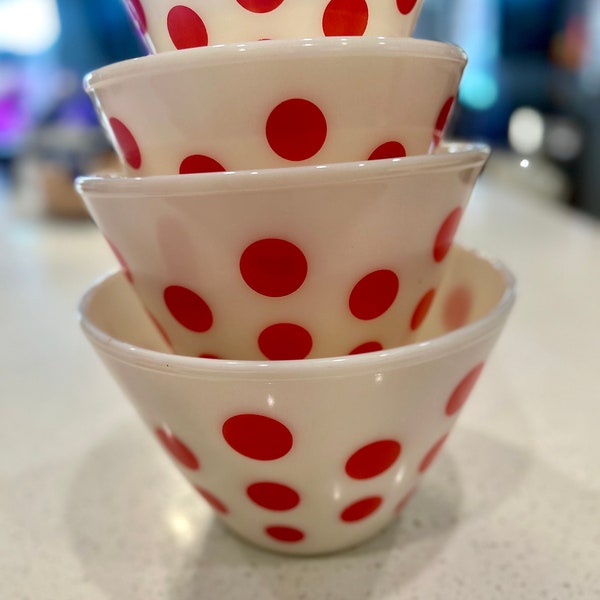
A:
(388, 150)
(457, 307)
(138, 14)
(367, 347)
(406, 6)
(421, 310)
(127, 143)
(273, 267)
(361, 510)
(345, 18)
(213, 501)
(296, 129)
(285, 341)
(445, 235)
(186, 28)
(188, 308)
(441, 121)
(178, 450)
(281, 533)
(374, 294)
(374, 459)
(431, 454)
(200, 163)
(257, 436)
(463, 389)
(259, 6)
(273, 496)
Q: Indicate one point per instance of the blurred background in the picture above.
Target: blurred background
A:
(531, 89)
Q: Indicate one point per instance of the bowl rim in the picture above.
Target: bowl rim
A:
(449, 156)
(450, 343)
(273, 50)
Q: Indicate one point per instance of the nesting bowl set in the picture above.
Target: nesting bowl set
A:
(291, 319)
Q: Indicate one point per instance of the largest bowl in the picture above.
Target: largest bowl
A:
(289, 263)
(277, 103)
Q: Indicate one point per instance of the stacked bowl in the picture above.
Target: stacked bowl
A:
(292, 319)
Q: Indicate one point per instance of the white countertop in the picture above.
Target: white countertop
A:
(91, 509)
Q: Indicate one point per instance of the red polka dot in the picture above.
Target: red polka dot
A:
(213, 501)
(367, 347)
(388, 150)
(211, 356)
(361, 510)
(138, 14)
(273, 496)
(160, 329)
(441, 121)
(257, 436)
(421, 310)
(186, 28)
(431, 454)
(285, 341)
(178, 450)
(374, 294)
(259, 6)
(373, 460)
(121, 261)
(406, 6)
(445, 235)
(285, 534)
(126, 143)
(457, 308)
(199, 163)
(407, 498)
(189, 309)
(273, 267)
(345, 18)
(463, 389)
(296, 129)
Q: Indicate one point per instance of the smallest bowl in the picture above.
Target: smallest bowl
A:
(169, 25)
(309, 456)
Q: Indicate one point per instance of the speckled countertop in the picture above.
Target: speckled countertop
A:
(91, 509)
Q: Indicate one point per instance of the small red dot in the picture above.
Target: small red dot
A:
(285, 534)
(273, 496)
(127, 143)
(177, 448)
(257, 436)
(121, 261)
(431, 454)
(373, 460)
(422, 309)
(296, 129)
(463, 390)
(211, 356)
(345, 18)
(407, 498)
(188, 308)
(273, 267)
(388, 150)
(367, 347)
(259, 6)
(445, 235)
(285, 341)
(457, 307)
(186, 28)
(406, 6)
(138, 14)
(213, 501)
(374, 294)
(199, 163)
(442, 120)
(361, 510)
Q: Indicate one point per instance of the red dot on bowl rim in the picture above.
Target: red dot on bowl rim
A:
(273, 496)
(373, 459)
(257, 436)
(374, 294)
(366, 348)
(126, 143)
(186, 28)
(296, 129)
(212, 500)
(462, 391)
(177, 448)
(260, 6)
(361, 509)
(431, 454)
(283, 533)
(406, 6)
(405, 500)
(200, 163)
(388, 150)
(442, 120)
(345, 18)
(121, 260)
(445, 235)
(285, 341)
(422, 310)
(188, 308)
